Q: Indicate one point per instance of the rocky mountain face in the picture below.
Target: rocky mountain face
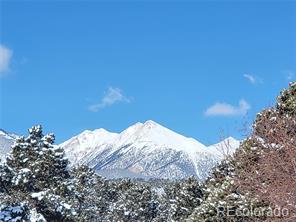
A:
(145, 150)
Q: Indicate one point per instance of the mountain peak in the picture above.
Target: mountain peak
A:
(230, 138)
(155, 135)
(227, 145)
(96, 132)
(150, 123)
(230, 141)
(101, 131)
(148, 148)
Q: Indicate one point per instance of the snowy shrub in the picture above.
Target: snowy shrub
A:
(265, 162)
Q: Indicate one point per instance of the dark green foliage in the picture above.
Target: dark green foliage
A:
(14, 212)
(36, 176)
(286, 101)
(183, 197)
(36, 164)
(220, 197)
(136, 202)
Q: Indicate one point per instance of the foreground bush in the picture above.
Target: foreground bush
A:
(267, 166)
(259, 179)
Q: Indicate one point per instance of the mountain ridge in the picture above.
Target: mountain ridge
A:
(143, 149)
(147, 148)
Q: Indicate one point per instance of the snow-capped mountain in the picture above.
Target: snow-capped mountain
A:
(225, 147)
(86, 144)
(145, 150)
(6, 140)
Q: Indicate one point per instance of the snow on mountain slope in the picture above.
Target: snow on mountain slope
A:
(6, 140)
(225, 147)
(147, 149)
(87, 143)
(154, 134)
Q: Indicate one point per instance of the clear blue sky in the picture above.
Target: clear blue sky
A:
(196, 67)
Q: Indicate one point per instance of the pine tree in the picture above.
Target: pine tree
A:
(286, 101)
(36, 163)
(136, 202)
(36, 177)
(181, 197)
(84, 192)
(221, 197)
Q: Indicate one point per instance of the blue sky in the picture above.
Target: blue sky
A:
(199, 68)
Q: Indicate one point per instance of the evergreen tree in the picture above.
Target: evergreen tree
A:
(221, 197)
(179, 200)
(136, 202)
(37, 164)
(36, 177)
(84, 182)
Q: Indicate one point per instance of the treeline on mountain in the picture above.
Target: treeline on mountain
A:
(256, 183)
